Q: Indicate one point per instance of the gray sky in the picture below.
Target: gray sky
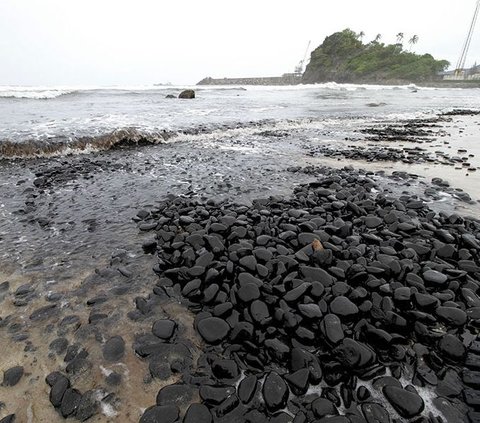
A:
(107, 42)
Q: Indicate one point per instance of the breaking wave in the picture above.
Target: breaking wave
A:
(132, 137)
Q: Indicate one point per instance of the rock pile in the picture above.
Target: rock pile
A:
(370, 298)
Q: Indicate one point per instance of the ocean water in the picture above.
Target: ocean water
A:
(36, 120)
(107, 153)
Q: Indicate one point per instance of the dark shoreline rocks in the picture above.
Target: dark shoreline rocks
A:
(335, 285)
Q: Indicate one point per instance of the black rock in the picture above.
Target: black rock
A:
(298, 381)
(259, 311)
(342, 306)
(452, 347)
(160, 413)
(248, 292)
(247, 389)
(114, 349)
(316, 274)
(12, 376)
(225, 369)
(176, 394)
(87, 407)
(197, 413)
(322, 407)
(213, 329)
(375, 413)
(70, 401)
(58, 390)
(275, 392)
(452, 316)
(215, 394)
(164, 328)
(331, 328)
(434, 277)
(408, 404)
(8, 419)
(353, 354)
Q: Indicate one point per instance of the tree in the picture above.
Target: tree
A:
(360, 35)
(378, 37)
(400, 36)
(412, 41)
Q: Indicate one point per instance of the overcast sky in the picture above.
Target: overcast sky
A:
(111, 42)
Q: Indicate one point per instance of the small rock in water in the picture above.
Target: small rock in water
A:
(114, 349)
(12, 376)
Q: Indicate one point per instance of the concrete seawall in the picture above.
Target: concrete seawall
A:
(287, 79)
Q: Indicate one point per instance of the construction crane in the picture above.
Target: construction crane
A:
(466, 45)
(299, 67)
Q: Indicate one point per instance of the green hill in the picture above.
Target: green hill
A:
(343, 57)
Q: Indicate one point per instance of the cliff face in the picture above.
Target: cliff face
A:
(343, 57)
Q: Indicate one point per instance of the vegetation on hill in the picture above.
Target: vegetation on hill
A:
(343, 57)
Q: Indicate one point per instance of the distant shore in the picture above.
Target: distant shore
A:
(290, 79)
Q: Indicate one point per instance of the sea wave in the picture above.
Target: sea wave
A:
(33, 93)
(133, 137)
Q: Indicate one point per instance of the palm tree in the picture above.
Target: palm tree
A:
(412, 41)
(360, 35)
(400, 36)
(378, 37)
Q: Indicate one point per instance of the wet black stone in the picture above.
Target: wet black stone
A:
(375, 413)
(87, 407)
(114, 349)
(59, 345)
(472, 397)
(213, 329)
(298, 381)
(316, 274)
(70, 401)
(408, 404)
(176, 394)
(452, 347)
(353, 354)
(160, 413)
(343, 307)
(471, 378)
(452, 316)
(11, 418)
(373, 221)
(114, 379)
(322, 407)
(248, 292)
(58, 390)
(51, 378)
(310, 311)
(225, 369)
(331, 328)
(296, 293)
(247, 389)
(164, 328)
(78, 366)
(259, 311)
(434, 277)
(12, 376)
(275, 392)
(197, 413)
(44, 312)
(215, 394)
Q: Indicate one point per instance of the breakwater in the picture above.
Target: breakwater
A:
(285, 79)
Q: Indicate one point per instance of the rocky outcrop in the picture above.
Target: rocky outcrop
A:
(187, 94)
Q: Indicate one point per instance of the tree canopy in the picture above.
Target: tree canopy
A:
(343, 57)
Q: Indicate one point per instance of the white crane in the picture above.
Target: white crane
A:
(299, 67)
